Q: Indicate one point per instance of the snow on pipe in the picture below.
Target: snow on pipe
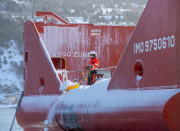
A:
(85, 102)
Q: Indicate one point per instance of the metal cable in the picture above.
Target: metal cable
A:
(18, 105)
(111, 67)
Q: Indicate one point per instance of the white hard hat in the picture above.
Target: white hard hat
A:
(92, 53)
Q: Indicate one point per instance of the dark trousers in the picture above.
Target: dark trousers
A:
(92, 77)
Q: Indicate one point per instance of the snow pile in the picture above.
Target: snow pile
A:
(65, 84)
(97, 96)
(10, 66)
(8, 106)
(100, 85)
(83, 93)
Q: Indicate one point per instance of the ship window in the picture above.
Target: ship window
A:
(139, 72)
(42, 82)
(138, 68)
(26, 57)
(59, 63)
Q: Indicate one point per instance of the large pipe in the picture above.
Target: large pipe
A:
(109, 110)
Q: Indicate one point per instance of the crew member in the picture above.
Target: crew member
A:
(92, 67)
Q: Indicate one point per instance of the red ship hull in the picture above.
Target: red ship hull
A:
(143, 94)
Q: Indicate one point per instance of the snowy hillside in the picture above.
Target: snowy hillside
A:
(13, 13)
(10, 64)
